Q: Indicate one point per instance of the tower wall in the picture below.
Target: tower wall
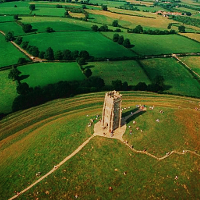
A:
(111, 115)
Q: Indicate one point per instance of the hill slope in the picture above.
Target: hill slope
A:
(36, 139)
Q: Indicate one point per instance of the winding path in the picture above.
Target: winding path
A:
(54, 169)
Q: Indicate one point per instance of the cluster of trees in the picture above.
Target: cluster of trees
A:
(120, 40)
(30, 97)
(76, 10)
(139, 29)
(9, 36)
(187, 20)
(181, 29)
(104, 7)
(129, 7)
(157, 85)
(103, 28)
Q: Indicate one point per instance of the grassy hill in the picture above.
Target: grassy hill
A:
(36, 139)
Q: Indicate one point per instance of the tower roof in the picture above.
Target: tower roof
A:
(114, 94)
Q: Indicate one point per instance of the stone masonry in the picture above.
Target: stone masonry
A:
(111, 115)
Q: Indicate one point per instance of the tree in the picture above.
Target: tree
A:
(9, 36)
(34, 51)
(80, 61)
(181, 29)
(95, 28)
(115, 37)
(115, 23)
(23, 88)
(117, 85)
(104, 7)
(138, 29)
(127, 43)
(87, 73)
(19, 40)
(103, 28)
(75, 54)
(169, 26)
(58, 55)
(84, 54)
(49, 30)
(141, 86)
(25, 44)
(121, 39)
(27, 28)
(49, 54)
(14, 73)
(16, 17)
(67, 55)
(41, 54)
(22, 61)
(32, 7)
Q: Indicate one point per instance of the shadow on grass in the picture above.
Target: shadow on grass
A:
(132, 117)
(22, 77)
(135, 116)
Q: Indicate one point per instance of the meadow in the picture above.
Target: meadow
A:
(10, 9)
(159, 44)
(193, 36)
(192, 62)
(128, 71)
(8, 53)
(7, 92)
(6, 19)
(96, 44)
(50, 73)
(102, 162)
(176, 77)
(11, 26)
(129, 21)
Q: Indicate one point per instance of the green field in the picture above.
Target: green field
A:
(58, 26)
(9, 8)
(49, 73)
(8, 53)
(175, 75)
(192, 62)
(6, 18)
(159, 44)
(96, 44)
(25, 150)
(11, 26)
(49, 11)
(128, 71)
(7, 92)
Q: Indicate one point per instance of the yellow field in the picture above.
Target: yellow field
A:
(131, 12)
(132, 21)
(193, 36)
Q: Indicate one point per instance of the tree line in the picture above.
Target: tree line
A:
(139, 29)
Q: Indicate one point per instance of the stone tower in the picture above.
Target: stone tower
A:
(111, 115)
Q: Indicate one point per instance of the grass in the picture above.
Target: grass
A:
(96, 44)
(57, 26)
(128, 71)
(11, 26)
(179, 80)
(49, 11)
(25, 150)
(193, 36)
(192, 62)
(8, 53)
(49, 73)
(9, 8)
(7, 92)
(159, 44)
(129, 21)
(58, 23)
(6, 18)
